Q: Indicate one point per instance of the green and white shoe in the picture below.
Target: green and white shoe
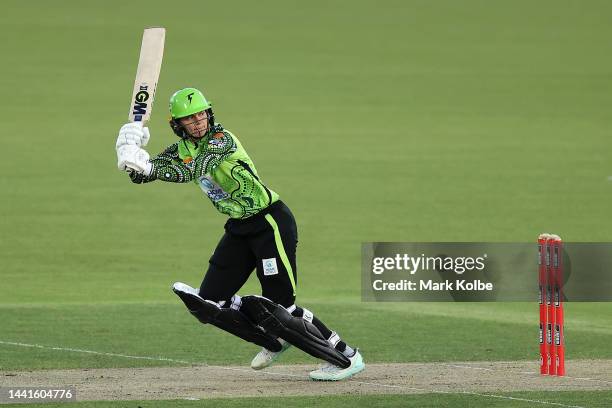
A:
(265, 358)
(330, 372)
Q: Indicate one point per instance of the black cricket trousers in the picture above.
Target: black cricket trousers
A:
(267, 242)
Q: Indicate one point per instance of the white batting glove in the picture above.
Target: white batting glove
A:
(126, 153)
(139, 162)
(133, 133)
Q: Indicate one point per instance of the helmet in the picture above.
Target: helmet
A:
(186, 102)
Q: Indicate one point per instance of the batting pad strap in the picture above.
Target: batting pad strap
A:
(281, 250)
(236, 302)
(307, 315)
(334, 339)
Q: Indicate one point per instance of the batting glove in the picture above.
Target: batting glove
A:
(133, 133)
(133, 158)
(139, 162)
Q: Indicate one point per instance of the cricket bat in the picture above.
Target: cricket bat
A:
(149, 66)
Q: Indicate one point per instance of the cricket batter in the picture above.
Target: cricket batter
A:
(260, 234)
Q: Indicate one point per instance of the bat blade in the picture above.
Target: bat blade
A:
(147, 74)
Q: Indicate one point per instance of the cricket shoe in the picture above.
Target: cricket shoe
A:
(330, 372)
(265, 357)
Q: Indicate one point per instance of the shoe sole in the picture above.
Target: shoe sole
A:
(360, 369)
(271, 361)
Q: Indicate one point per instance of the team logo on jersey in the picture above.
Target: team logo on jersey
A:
(189, 162)
(212, 189)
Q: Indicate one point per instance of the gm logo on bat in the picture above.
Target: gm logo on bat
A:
(140, 105)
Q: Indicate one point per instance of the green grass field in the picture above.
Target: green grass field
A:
(386, 121)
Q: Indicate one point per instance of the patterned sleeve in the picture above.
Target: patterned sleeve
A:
(167, 166)
(220, 147)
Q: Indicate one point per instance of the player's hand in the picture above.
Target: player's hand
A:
(138, 160)
(133, 133)
(126, 153)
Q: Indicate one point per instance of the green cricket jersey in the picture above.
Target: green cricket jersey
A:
(220, 166)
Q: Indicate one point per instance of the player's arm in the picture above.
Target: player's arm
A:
(220, 147)
(167, 166)
(135, 160)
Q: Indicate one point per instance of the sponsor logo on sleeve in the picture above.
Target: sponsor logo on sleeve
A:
(216, 143)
